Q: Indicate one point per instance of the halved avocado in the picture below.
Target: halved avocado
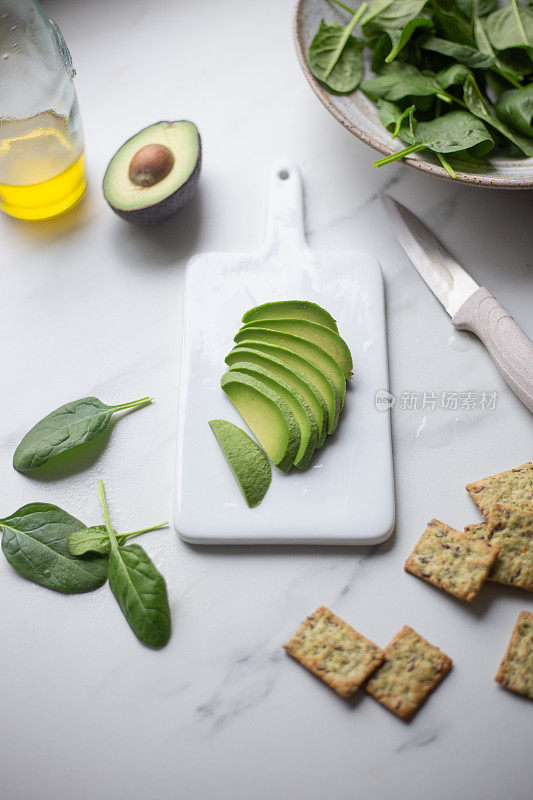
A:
(290, 309)
(298, 383)
(155, 173)
(296, 403)
(247, 461)
(302, 347)
(267, 415)
(324, 337)
(305, 369)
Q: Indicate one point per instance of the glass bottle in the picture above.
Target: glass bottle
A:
(42, 171)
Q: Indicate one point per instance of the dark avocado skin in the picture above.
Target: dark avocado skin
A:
(159, 212)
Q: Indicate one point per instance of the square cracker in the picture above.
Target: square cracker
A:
(511, 528)
(516, 670)
(451, 560)
(330, 649)
(412, 669)
(513, 487)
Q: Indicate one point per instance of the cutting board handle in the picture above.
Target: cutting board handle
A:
(285, 215)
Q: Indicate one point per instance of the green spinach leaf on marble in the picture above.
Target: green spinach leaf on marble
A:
(34, 541)
(69, 426)
(96, 539)
(138, 587)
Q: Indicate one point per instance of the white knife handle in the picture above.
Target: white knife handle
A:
(511, 349)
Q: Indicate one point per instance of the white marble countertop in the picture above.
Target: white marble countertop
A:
(91, 306)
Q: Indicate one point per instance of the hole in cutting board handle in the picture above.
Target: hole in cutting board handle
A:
(284, 174)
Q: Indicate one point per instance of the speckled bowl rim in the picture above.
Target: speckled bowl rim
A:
(328, 100)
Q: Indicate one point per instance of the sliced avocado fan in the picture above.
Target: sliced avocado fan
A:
(324, 337)
(305, 369)
(290, 309)
(247, 461)
(267, 415)
(296, 403)
(298, 383)
(302, 347)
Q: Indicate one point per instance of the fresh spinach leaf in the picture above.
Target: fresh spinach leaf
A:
(380, 49)
(484, 46)
(139, 588)
(335, 57)
(399, 20)
(375, 7)
(96, 540)
(452, 24)
(468, 56)
(399, 80)
(477, 105)
(392, 117)
(510, 27)
(455, 75)
(515, 108)
(34, 541)
(476, 8)
(454, 131)
(68, 426)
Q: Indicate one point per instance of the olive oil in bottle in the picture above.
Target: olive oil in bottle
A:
(42, 170)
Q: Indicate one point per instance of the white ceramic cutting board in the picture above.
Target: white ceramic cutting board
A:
(346, 496)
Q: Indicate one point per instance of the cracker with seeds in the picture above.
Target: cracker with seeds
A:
(411, 670)
(511, 528)
(513, 487)
(516, 670)
(451, 560)
(330, 649)
(480, 530)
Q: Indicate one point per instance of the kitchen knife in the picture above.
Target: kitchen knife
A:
(470, 306)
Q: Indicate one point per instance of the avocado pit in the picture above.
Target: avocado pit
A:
(150, 165)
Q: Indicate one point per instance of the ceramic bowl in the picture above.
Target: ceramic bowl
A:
(358, 114)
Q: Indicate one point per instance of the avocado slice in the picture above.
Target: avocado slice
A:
(324, 337)
(290, 309)
(248, 462)
(154, 173)
(296, 403)
(302, 347)
(298, 383)
(305, 369)
(267, 415)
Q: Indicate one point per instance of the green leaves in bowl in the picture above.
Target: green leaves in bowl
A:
(453, 132)
(432, 60)
(336, 57)
(515, 107)
(69, 426)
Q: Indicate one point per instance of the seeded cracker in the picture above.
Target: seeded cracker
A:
(411, 670)
(451, 560)
(512, 530)
(330, 649)
(516, 669)
(513, 488)
(480, 530)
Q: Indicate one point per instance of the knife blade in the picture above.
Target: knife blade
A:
(451, 284)
(471, 307)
